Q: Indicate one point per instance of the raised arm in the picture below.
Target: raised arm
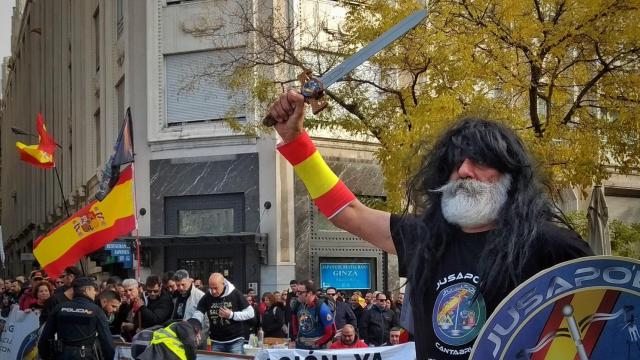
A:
(328, 192)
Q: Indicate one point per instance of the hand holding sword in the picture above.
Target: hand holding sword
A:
(287, 113)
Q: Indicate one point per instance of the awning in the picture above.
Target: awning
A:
(259, 240)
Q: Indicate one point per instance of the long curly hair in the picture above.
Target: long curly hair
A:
(501, 262)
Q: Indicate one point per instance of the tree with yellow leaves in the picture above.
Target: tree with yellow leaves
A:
(565, 74)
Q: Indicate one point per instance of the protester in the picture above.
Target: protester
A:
(377, 322)
(226, 309)
(398, 302)
(15, 291)
(272, 320)
(348, 339)
(169, 284)
(343, 312)
(81, 327)
(42, 291)
(178, 341)
(251, 325)
(483, 212)
(312, 324)
(59, 282)
(197, 282)
(158, 306)
(291, 296)
(188, 296)
(394, 336)
(110, 304)
(61, 294)
(129, 315)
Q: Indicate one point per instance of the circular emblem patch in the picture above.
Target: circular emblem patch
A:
(583, 309)
(458, 314)
(306, 322)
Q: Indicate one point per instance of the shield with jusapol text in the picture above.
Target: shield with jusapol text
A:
(584, 309)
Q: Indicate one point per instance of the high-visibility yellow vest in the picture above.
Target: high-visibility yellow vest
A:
(169, 338)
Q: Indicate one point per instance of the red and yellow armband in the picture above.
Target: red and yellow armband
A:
(328, 192)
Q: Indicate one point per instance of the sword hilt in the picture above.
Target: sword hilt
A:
(312, 90)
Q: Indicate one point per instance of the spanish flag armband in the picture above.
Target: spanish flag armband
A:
(328, 192)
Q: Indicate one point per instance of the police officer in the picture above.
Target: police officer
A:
(82, 327)
(178, 341)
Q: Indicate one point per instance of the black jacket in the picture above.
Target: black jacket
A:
(157, 311)
(56, 299)
(76, 322)
(272, 321)
(344, 315)
(376, 324)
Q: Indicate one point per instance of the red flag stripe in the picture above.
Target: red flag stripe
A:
(595, 329)
(125, 176)
(553, 323)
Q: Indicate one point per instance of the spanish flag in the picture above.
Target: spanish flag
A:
(91, 228)
(40, 155)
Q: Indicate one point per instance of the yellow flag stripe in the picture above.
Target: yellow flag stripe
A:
(34, 152)
(584, 304)
(316, 175)
(118, 204)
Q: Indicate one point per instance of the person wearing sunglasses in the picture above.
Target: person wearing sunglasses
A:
(158, 307)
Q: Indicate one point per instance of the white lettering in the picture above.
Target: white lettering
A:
(608, 275)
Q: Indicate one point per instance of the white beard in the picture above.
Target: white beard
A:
(473, 203)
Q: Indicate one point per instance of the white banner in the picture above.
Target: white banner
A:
(398, 352)
(19, 335)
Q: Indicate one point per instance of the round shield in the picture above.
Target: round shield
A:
(580, 309)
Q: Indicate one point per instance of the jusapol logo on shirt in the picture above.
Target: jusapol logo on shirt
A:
(459, 276)
(458, 314)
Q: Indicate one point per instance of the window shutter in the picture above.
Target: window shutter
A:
(190, 98)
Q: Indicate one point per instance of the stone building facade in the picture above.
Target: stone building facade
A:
(210, 199)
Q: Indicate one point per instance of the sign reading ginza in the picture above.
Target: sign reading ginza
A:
(345, 276)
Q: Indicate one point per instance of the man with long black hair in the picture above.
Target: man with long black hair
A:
(482, 225)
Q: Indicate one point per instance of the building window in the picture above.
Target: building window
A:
(194, 97)
(120, 96)
(174, 2)
(204, 214)
(205, 221)
(120, 16)
(96, 37)
(98, 137)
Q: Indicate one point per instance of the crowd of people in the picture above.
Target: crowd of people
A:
(212, 315)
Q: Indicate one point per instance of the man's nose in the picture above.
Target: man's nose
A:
(466, 169)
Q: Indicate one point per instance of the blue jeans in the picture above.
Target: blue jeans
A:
(233, 347)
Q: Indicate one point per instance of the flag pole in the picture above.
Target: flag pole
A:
(64, 200)
(135, 206)
(66, 209)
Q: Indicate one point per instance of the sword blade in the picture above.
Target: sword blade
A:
(372, 48)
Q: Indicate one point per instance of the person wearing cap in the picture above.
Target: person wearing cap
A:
(80, 325)
(29, 297)
(61, 294)
(177, 341)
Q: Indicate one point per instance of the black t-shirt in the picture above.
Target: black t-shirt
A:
(455, 310)
(223, 330)
(181, 303)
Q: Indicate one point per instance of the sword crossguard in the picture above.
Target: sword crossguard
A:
(312, 90)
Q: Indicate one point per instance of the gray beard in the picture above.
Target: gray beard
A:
(472, 203)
